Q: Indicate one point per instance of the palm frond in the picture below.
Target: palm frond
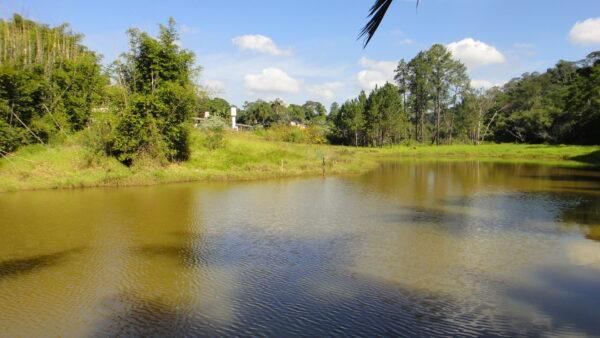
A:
(376, 13)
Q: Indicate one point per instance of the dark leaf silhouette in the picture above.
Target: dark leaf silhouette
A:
(376, 13)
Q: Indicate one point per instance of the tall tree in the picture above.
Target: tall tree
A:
(448, 80)
(386, 122)
(159, 77)
(418, 85)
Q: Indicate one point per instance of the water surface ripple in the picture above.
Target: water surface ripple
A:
(414, 248)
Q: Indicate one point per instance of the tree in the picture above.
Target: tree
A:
(258, 112)
(158, 75)
(385, 119)
(418, 85)
(348, 123)
(473, 114)
(314, 111)
(432, 80)
(215, 106)
(49, 82)
(296, 113)
(448, 80)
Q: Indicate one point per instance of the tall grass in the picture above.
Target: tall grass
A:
(244, 156)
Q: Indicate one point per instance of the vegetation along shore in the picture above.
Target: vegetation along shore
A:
(248, 156)
(68, 121)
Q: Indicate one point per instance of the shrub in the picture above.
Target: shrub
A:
(97, 137)
(136, 136)
(9, 138)
(214, 131)
(311, 134)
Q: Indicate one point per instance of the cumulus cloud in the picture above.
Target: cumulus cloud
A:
(474, 53)
(326, 91)
(586, 32)
(259, 43)
(376, 74)
(271, 80)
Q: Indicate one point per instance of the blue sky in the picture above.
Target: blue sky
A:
(307, 49)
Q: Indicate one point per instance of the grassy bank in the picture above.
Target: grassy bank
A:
(574, 155)
(244, 156)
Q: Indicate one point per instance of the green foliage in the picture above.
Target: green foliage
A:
(269, 113)
(561, 105)
(49, 82)
(432, 85)
(258, 112)
(385, 119)
(376, 120)
(349, 121)
(161, 98)
(98, 136)
(136, 136)
(214, 132)
(311, 134)
(215, 106)
(9, 138)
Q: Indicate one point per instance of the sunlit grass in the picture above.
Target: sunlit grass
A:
(246, 156)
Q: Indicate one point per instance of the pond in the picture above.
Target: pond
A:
(413, 248)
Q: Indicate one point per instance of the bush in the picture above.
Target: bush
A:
(97, 137)
(9, 138)
(214, 131)
(313, 134)
(136, 136)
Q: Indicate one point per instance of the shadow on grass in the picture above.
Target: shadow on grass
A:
(592, 158)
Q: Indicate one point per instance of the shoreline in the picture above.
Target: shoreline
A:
(247, 157)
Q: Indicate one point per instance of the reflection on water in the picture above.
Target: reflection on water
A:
(24, 265)
(413, 248)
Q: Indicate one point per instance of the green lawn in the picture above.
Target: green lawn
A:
(246, 156)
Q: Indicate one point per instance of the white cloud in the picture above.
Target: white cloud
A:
(271, 80)
(586, 32)
(376, 74)
(259, 43)
(481, 84)
(185, 29)
(407, 41)
(326, 91)
(474, 53)
(213, 86)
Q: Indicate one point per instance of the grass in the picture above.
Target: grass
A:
(565, 155)
(246, 156)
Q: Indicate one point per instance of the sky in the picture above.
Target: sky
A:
(300, 50)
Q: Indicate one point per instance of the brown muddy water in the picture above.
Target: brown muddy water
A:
(413, 248)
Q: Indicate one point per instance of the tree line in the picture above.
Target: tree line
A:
(432, 101)
(52, 86)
